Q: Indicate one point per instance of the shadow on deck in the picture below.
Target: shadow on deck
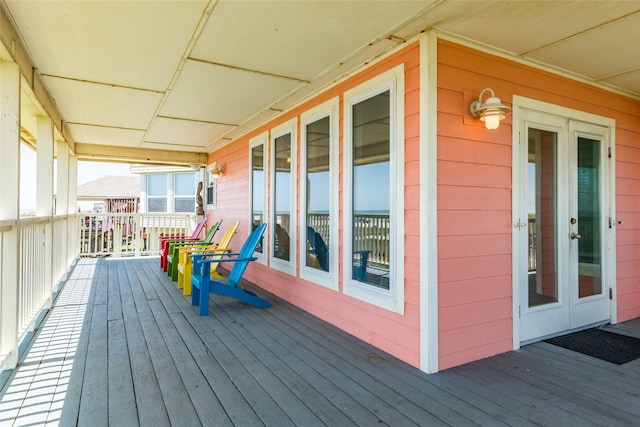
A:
(140, 355)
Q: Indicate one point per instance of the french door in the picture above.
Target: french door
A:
(563, 230)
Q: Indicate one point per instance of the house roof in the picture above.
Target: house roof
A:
(111, 187)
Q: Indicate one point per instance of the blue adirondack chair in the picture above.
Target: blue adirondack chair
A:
(202, 282)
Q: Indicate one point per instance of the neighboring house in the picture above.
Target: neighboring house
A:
(172, 189)
(110, 194)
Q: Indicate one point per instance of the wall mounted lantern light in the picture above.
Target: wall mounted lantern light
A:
(215, 169)
(491, 112)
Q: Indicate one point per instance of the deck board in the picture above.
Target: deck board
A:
(145, 357)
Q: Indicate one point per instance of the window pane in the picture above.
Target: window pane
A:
(282, 197)
(257, 186)
(185, 204)
(184, 184)
(318, 194)
(589, 246)
(371, 191)
(157, 204)
(157, 185)
(542, 188)
(211, 190)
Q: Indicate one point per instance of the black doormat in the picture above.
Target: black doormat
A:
(609, 346)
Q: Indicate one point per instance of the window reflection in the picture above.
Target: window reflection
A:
(371, 191)
(318, 194)
(257, 188)
(282, 197)
(542, 188)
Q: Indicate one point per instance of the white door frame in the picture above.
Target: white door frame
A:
(519, 210)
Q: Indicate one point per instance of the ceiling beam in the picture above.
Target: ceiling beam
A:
(106, 153)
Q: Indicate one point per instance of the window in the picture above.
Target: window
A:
(283, 192)
(211, 191)
(258, 187)
(319, 195)
(184, 189)
(374, 201)
(157, 190)
(171, 192)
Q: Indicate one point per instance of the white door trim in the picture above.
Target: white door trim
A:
(519, 206)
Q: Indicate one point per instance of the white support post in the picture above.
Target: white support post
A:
(72, 195)
(73, 247)
(9, 211)
(44, 167)
(44, 195)
(62, 198)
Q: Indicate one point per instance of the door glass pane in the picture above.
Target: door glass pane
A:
(282, 197)
(589, 225)
(371, 191)
(257, 188)
(318, 194)
(541, 193)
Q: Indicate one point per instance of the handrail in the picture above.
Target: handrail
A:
(7, 225)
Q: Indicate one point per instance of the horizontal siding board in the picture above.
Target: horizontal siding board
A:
(473, 174)
(456, 247)
(451, 197)
(467, 223)
(463, 315)
(471, 338)
(469, 151)
(468, 291)
(456, 269)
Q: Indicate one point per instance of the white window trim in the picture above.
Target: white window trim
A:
(263, 140)
(392, 299)
(289, 127)
(328, 109)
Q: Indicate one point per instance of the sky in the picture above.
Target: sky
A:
(87, 171)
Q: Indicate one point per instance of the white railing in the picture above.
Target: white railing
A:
(129, 234)
(35, 276)
(35, 255)
(371, 234)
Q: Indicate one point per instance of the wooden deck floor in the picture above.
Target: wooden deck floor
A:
(145, 357)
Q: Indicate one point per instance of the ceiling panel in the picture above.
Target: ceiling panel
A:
(106, 136)
(91, 103)
(129, 43)
(298, 39)
(522, 26)
(223, 95)
(189, 133)
(614, 56)
(629, 81)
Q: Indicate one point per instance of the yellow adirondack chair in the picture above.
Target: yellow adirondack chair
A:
(185, 266)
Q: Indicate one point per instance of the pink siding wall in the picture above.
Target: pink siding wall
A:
(396, 334)
(474, 197)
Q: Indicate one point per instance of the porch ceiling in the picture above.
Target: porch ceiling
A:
(192, 75)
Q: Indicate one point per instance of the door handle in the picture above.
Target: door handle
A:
(575, 236)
